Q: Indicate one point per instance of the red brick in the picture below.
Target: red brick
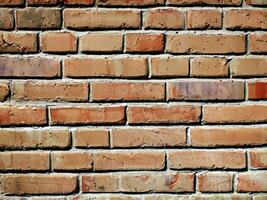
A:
(11, 2)
(43, 2)
(129, 161)
(101, 42)
(127, 91)
(252, 182)
(79, 2)
(206, 90)
(256, 2)
(91, 138)
(205, 2)
(156, 137)
(34, 184)
(257, 90)
(102, 19)
(158, 182)
(105, 67)
(50, 91)
(205, 44)
(164, 19)
(129, 2)
(169, 67)
(213, 137)
(207, 159)
(24, 161)
(87, 115)
(144, 42)
(246, 19)
(29, 67)
(51, 42)
(258, 159)
(7, 19)
(4, 91)
(215, 182)
(38, 18)
(166, 114)
(258, 43)
(22, 115)
(65, 161)
(204, 19)
(242, 114)
(34, 138)
(18, 42)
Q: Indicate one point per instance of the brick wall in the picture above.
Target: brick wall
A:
(133, 99)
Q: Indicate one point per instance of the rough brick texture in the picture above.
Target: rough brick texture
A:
(133, 99)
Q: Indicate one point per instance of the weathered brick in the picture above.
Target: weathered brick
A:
(256, 2)
(87, 115)
(206, 90)
(79, 2)
(205, 2)
(4, 91)
(22, 115)
(11, 2)
(38, 18)
(156, 137)
(257, 90)
(18, 42)
(258, 43)
(207, 159)
(91, 138)
(24, 161)
(213, 137)
(34, 138)
(129, 2)
(199, 196)
(71, 161)
(129, 161)
(127, 91)
(204, 19)
(101, 42)
(164, 19)
(50, 91)
(246, 19)
(51, 42)
(43, 2)
(7, 19)
(205, 44)
(102, 19)
(258, 159)
(29, 67)
(169, 67)
(252, 182)
(34, 184)
(165, 114)
(242, 114)
(105, 67)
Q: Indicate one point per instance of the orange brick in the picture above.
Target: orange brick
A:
(87, 115)
(165, 114)
(256, 2)
(144, 42)
(252, 182)
(205, 44)
(213, 137)
(101, 42)
(7, 19)
(78, 2)
(258, 159)
(105, 67)
(102, 19)
(34, 184)
(18, 42)
(215, 182)
(209, 67)
(129, 161)
(257, 90)
(206, 90)
(50, 91)
(51, 42)
(90, 138)
(258, 43)
(205, 2)
(22, 115)
(207, 159)
(127, 91)
(29, 67)
(24, 161)
(242, 114)
(246, 19)
(129, 2)
(34, 138)
(169, 67)
(4, 91)
(140, 137)
(65, 161)
(204, 19)
(164, 19)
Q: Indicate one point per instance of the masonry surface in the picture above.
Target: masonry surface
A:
(133, 99)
